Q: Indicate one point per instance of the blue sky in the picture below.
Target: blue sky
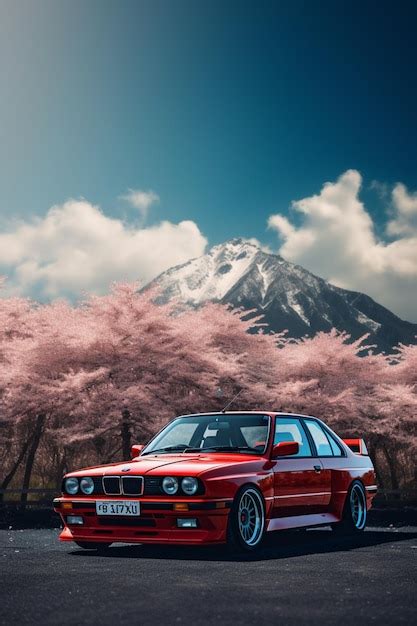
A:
(228, 110)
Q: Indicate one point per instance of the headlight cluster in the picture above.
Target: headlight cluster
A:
(171, 485)
(73, 485)
(189, 485)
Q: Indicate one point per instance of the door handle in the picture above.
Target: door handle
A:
(317, 468)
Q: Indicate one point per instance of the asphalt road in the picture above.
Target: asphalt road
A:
(298, 578)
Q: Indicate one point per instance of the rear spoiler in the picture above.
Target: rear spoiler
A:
(357, 445)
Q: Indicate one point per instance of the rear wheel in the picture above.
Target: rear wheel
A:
(354, 511)
(92, 545)
(246, 525)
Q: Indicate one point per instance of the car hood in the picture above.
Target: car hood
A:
(173, 464)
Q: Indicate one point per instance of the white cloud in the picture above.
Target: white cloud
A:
(76, 247)
(141, 200)
(405, 221)
(337, 240)
(282, 225)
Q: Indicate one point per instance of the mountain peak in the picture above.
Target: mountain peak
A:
(240, 273)
(233, 247)
(238, 245)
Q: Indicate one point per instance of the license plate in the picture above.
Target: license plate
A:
(122, 507)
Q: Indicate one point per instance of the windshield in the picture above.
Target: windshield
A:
(245, 433)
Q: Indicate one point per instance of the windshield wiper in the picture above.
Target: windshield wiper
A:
(186, 449)
(224, 449)
(180, 448)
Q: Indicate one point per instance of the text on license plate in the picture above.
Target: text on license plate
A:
(121, 507)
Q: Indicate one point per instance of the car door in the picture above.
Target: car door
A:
(328, 452)
(301, 486)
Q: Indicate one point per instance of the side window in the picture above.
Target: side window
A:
(290, 429)
(320, 438)
(337, 450)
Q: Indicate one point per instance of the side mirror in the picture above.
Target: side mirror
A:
(285, 448)
(136, 450)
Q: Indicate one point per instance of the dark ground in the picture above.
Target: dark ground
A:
(298, 578)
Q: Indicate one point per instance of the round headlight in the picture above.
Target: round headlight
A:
(189, 485)
(170, 485)
(87, 485)
(71, 485)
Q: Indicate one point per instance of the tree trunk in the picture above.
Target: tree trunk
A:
(373, 453)
(126, 435)
(374, 445)
(36, 438)
(61, 468)
(14, 469)
(392, 469)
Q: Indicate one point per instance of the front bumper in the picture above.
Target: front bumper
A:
(157, 522)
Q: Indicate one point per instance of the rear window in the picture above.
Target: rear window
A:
(325, 444)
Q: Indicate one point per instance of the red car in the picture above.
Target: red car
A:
(222, 477)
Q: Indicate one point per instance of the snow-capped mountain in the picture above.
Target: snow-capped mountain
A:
(240, 273)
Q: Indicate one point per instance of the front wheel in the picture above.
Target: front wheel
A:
(246, 520)
(93, 545)
(354, 511)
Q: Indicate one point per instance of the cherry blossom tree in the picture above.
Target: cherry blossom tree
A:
(15, 328)
(80, 383)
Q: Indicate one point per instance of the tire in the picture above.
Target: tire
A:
(246, 525)
(93, 545)
(354, 512)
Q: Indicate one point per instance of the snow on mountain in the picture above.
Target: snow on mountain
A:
(211, 276)
(240, 273)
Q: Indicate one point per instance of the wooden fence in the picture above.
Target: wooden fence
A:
(36, 497)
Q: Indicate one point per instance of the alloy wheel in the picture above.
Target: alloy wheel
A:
(251, 517)
(358, 507)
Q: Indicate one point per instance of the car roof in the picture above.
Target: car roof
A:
(260, 412)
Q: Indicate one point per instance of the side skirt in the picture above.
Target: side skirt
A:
(300, 521)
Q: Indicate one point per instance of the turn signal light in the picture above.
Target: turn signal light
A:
(67, 505)
(180, 506)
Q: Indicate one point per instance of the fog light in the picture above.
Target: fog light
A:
(186, 522)
(75, 519)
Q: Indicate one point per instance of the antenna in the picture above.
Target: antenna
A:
(231, 401)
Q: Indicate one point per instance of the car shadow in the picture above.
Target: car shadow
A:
(278, 545)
